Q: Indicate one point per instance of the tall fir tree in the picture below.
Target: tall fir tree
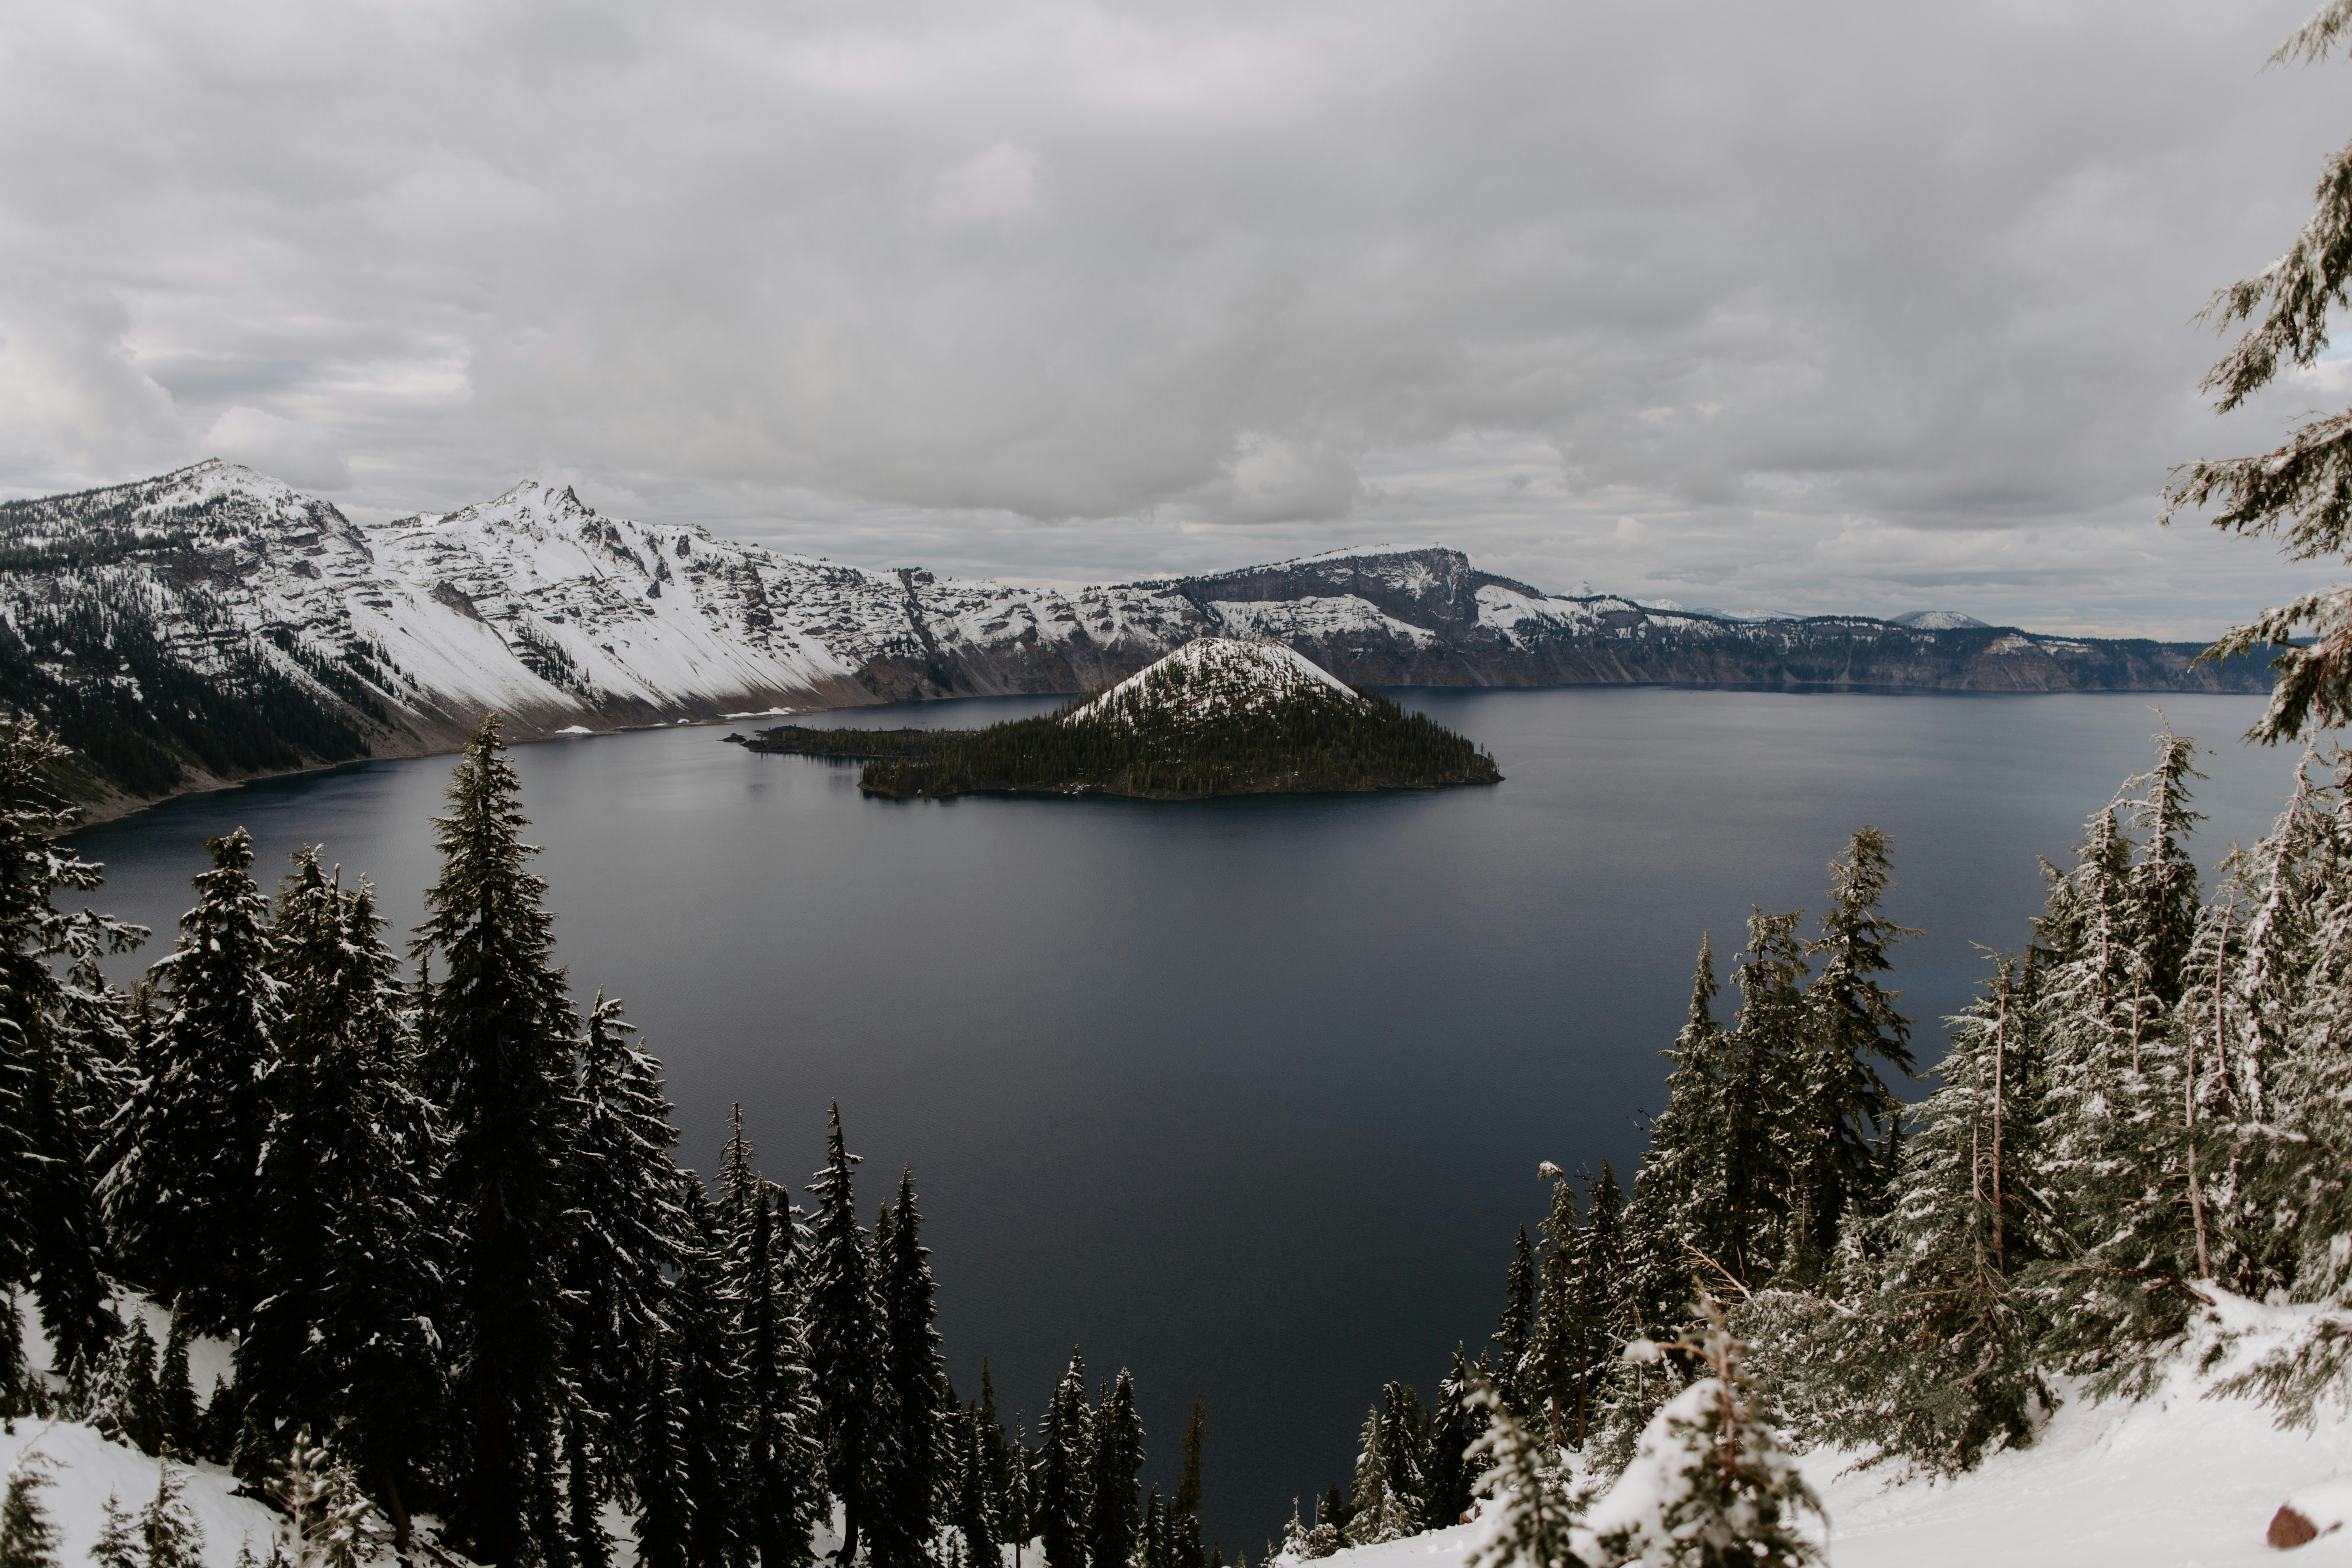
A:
(1758, 1098)
(182, 1198)
(664, 1523)
(1515, 1331)
(973, 1512)
(349, 1265)
(708, 1374)
(2278, 1069)
(1184, 1506)
(1457, 1423)
(920, 1399)
(1556, 1349)
(1845, 1108)
(1680, 1178)
(175, 1397)
(2114, 1153)
(784, 1490)
(848, 1350)
(1114, 1514)
(59, 1081)
(1065, 1471)
(1369, 1522)
(498, 1044)
(1597, 1277)
(624, 1232)
(1943, 1346)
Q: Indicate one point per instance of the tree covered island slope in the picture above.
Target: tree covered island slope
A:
(1219, 716)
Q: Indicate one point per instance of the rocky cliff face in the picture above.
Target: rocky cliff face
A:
(213, 624)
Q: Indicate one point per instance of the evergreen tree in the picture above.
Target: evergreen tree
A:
(1002, 1456)
(1369, 1519)
(708, 1374)
(665, 1518)
(918, 1391)
(499, 1053)
(136, 1405)
(1404, 1460)
(117, 1546)
(625, 1223)
(1530, 1525)
(168, 1533)
(349, 1262)
(1065, 1490)
(739, 1179)
(2115, 1151)
(1560, 1345)
(1114, 1514)
(1184, 1507)
(2296, 492)
(30, 1538)
(183, 1423)
(586, 1541)
(1680, 1178)
(1943, 1349)
(1757, 1099)
(1458, 1422)
(182, 1198)
(973, 1514)
(58, 1084)
(784, 1490)
(848, 1350)
(1599, 1278)
(1711, 1485)
(2276, 1066)
(1517, 1330)
(1845, 1108)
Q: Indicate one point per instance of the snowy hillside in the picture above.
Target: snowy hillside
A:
(1214, 676)
(2176, 1478)
(215, 622)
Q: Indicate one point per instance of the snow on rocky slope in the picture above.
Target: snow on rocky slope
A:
(1212, 677)
(228, 587)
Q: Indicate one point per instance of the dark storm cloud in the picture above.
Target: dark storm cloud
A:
(1803, 306)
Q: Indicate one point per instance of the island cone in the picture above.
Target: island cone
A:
(1219, 716)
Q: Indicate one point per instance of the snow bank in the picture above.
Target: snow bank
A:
(85, 1468)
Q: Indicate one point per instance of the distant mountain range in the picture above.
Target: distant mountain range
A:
(214, 624)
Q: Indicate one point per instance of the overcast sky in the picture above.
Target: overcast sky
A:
(1799, 306)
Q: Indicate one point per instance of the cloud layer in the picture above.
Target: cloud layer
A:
(1798, 307)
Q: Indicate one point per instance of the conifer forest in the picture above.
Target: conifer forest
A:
(437, 1211)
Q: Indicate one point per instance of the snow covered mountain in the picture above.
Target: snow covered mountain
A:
(1935, 620)
(1212, 676)
(214, 624)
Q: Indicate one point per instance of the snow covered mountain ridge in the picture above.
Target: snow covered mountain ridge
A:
(214, 623)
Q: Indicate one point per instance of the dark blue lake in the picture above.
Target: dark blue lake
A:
(1244, 1096)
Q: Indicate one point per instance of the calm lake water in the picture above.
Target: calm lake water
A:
(1245, 1096)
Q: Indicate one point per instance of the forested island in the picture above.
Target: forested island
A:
(1219, 716)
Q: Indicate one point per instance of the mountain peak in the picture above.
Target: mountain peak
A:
(1212, 676)
(1936, 621)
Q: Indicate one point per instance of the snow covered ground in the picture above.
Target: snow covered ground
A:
(2176, 1481)
(85, 1470)
(2179, 1479)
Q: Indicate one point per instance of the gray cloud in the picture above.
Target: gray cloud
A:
(1809, 306)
